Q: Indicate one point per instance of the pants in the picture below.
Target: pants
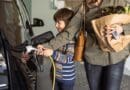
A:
(64, 85)
(104, 77)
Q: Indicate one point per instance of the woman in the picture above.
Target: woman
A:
(104, 70)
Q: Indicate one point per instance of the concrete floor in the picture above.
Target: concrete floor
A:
(81, 81)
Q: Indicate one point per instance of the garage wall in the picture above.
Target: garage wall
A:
(43, 9)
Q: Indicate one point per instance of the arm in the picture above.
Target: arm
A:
(118, 28)
(67, 35)
(57, 55)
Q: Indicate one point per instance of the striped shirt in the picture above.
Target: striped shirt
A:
(65, 67)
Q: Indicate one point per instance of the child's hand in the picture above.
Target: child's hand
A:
(47, 52)
(40, 49)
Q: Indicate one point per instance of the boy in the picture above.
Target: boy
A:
(63, 57)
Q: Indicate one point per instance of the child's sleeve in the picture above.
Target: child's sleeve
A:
(61, 57)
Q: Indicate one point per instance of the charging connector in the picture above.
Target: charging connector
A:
(30, 48)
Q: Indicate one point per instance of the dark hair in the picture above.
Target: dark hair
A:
(64, 14)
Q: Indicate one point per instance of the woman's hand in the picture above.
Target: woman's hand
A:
(93, 3)
(113, 30)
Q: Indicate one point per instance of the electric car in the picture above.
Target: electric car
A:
(15, 75)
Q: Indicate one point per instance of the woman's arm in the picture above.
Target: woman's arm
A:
(67, 35)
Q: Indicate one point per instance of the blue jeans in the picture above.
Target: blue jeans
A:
(104, 77)
(64, 85)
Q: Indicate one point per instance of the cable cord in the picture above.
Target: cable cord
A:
(54, 72)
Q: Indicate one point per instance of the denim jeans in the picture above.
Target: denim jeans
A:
(104, 77)
(64, 85)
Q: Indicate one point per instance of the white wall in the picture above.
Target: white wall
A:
(42, 9)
